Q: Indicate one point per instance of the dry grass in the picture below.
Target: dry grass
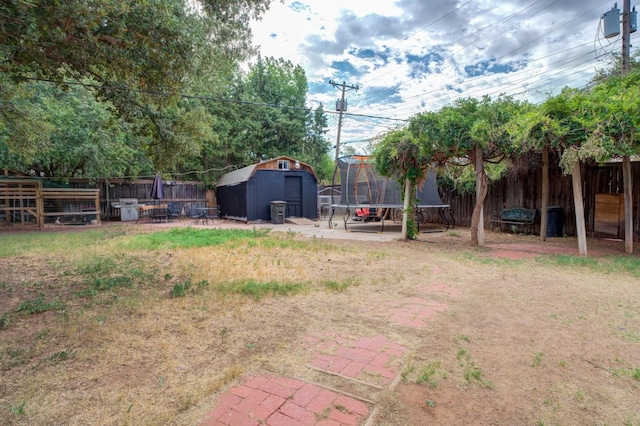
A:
(136, 355)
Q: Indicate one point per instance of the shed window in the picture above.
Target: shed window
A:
(283, 164)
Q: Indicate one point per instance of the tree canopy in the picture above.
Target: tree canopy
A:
(165, 80)
(139, 57)
(593, 124)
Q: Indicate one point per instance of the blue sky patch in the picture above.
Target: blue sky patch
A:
(297, 6)
(319, 87)
(492, 67)
(384, 94)
(423, 64)
(345, 68)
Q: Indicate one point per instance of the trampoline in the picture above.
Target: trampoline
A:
(367, 196)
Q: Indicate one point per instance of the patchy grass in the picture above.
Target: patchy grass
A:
(471, 372)
(122, 324)
(182, 289)
(340, 286)
(606, 264)
(429, 373)
(258, 290)
(35, 243)
(40, 305)
(191, 237)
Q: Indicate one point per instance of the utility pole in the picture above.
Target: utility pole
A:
(612, 28)
(626, 34)
(627, 175)
(341, 106)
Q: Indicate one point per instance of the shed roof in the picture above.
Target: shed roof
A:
(237, 176)
(244, 174)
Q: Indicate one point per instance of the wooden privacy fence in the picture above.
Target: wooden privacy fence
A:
(183, 194)
(26, 202)
(602, 196)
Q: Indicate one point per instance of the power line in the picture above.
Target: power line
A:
(519, 47)
(480, 78)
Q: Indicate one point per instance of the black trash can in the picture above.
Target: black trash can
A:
(277, 211)
(555, 221)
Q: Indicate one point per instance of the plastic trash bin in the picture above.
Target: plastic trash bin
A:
(555, 221)
(277, 211)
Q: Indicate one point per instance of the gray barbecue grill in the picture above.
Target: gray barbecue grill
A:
(128, 208)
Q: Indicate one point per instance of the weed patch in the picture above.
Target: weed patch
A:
(58, 357)
(429, 374)
(424, 373)
(537, 359)
(610, 264)
(340, 286)
(98, 274)
(470, 371)
(257, 290)
(18, 410)
(484, 259)
(5, 320)
(109, 283)
(181, 290)
(40, 305)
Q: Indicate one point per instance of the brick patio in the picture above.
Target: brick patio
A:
(374, 360)
(281, 401)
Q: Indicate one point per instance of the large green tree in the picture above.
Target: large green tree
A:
(262, 115)
(76, 136)
(471, 131)
(279, 88)
(139, 56)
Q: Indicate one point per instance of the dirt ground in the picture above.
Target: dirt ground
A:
(513, 333)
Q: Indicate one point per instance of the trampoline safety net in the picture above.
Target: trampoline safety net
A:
(362, 184)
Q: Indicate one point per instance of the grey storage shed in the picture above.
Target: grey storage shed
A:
(246, 194)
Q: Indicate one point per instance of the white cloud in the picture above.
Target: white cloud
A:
(414, 55)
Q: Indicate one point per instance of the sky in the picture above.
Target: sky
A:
(399, 58)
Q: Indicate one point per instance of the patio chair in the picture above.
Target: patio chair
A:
(159, 214)
(175, 211)
(211, 213)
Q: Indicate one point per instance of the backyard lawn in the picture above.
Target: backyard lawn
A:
(146, 326)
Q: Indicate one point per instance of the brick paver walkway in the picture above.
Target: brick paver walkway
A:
(373, 360)
(411, 312)
(280, 401)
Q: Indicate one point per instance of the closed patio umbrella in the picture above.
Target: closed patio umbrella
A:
(157, 193)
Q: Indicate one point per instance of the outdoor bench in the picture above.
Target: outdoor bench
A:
(517, 217)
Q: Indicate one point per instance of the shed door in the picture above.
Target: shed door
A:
(293, 195)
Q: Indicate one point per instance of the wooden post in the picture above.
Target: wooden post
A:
(21, 203)
(545, 194)
(405, 210)
(581, 232)
(627, 178)
(40, 207)
(479, 177)
(97, 201)
(7, 203)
